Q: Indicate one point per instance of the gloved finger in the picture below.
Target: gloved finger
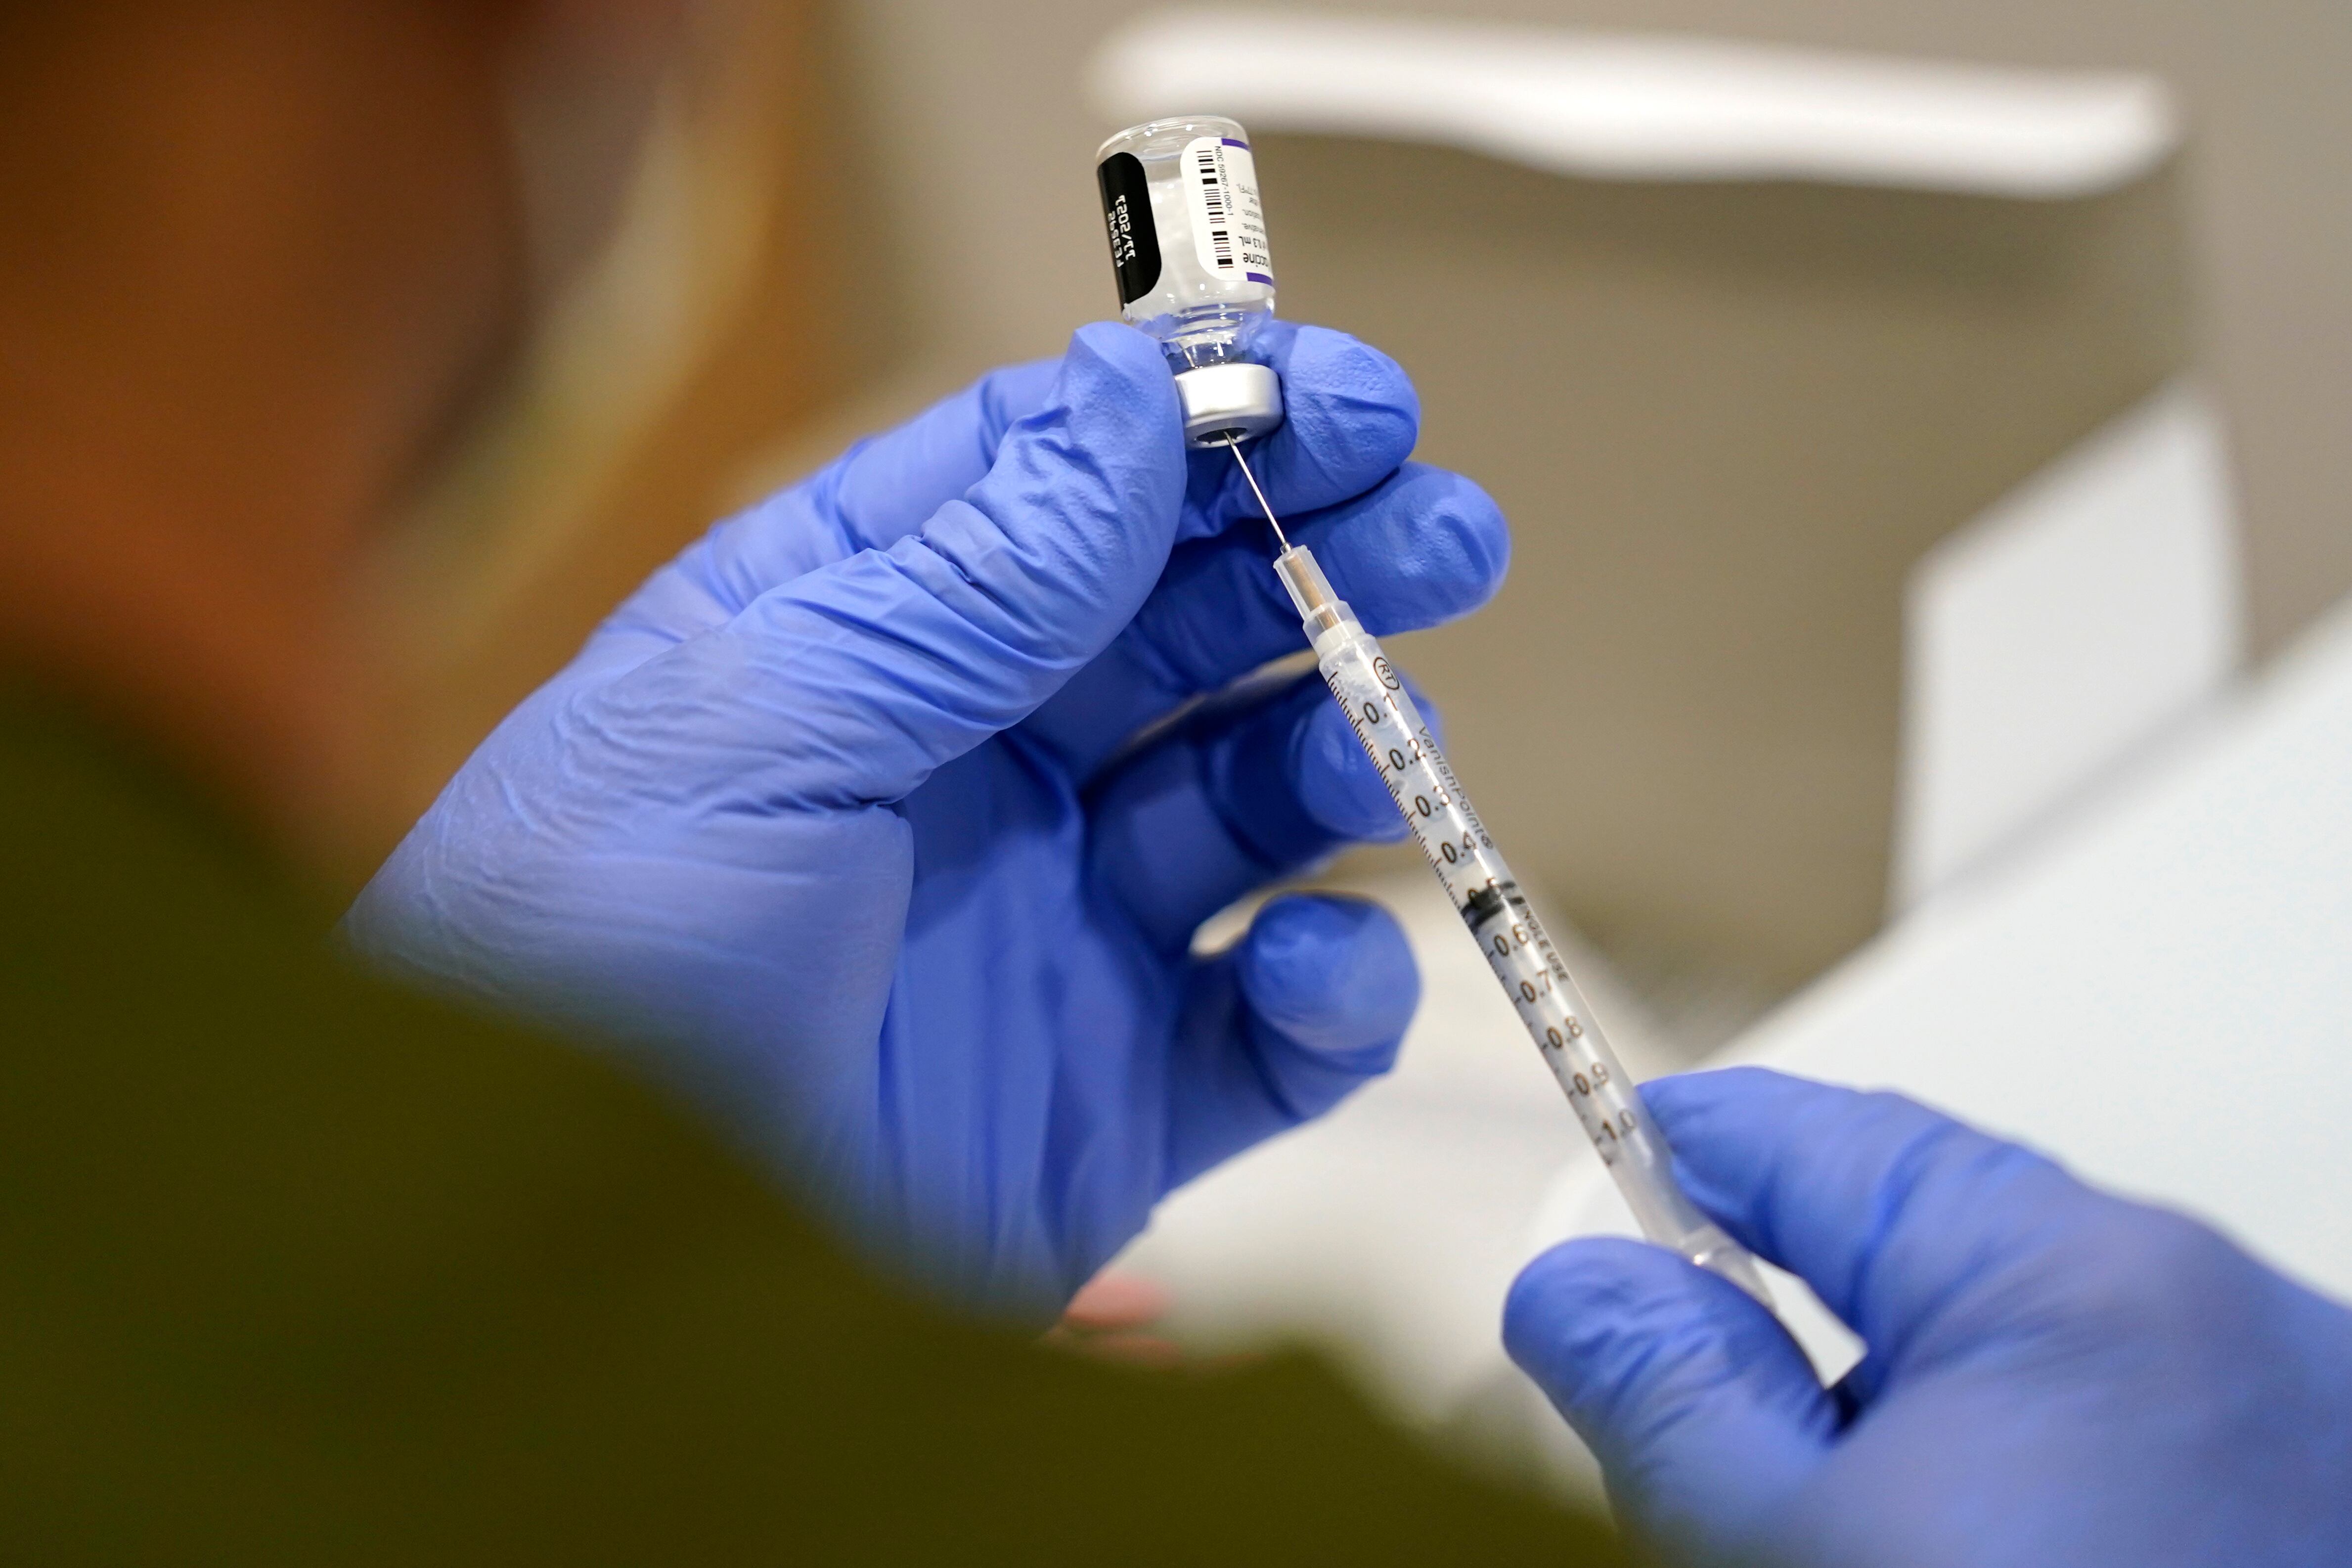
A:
(1237, 796)
(847, 686)
(1702, 1410)
(1350, 418)
(1423, 548)
(877, 493)
(888, 487)
(1896, 1215)
(1305, 1008)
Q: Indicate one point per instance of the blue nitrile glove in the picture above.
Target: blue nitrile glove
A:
(2056, 1376)
(839, 818)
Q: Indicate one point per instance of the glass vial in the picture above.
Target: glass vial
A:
(1188, 243)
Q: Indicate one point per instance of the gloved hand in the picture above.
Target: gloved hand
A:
(837, 820)
(2056, 1376)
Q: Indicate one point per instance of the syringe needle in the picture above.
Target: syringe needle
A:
(1481, 889)
(1234, 444)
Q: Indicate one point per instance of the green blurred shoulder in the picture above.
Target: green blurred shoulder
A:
(298, 1266)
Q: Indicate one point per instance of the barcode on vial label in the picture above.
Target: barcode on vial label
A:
(1213, 194)
(1228, 218)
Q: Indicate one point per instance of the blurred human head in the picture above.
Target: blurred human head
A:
(259, 256)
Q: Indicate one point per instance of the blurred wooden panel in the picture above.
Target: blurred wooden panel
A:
(1725, 421)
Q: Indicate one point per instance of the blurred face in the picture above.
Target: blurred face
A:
(262, 194)
(583, 93)
(258, 257)
(577, 84)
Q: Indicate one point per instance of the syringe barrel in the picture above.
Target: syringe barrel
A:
(1482, 888)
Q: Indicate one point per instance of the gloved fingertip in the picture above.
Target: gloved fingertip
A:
(1343, 372)
(1484, 535)
(1337, 782)
(1700, 1407)
(1354, 406)
(1618, 1331)
(1011, 393)
(1464, 540)
(1275, 339)
(886, 486)
(1334, 975)
(1429, 546)
(1113, 406)
(1113, 352)
(1566, 1313)
(1687, 1100)
(1352, 418)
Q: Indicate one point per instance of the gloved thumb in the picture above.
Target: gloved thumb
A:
(855, 680)
(1702, 1410)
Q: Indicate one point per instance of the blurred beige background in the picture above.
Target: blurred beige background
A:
(1724, 419)
(2268, 192)
(1725, 422)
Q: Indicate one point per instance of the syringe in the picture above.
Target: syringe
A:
(1482, 887)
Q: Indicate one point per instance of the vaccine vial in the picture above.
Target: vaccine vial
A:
(1187, 244)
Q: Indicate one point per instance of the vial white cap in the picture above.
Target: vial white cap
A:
(1228, 402)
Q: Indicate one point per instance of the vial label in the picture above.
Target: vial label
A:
(1228, 219)
(1126, 214)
